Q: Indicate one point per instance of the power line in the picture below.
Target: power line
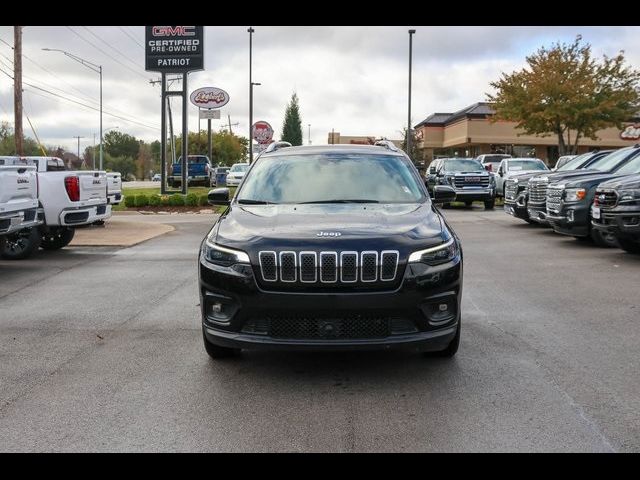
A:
(126, 32)
(112, 47)
(107, 54)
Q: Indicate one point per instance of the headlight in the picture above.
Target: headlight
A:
(449, 180)
(574, 194)
(515, 180)
(223, 256)
(436, 255)
(629, 196)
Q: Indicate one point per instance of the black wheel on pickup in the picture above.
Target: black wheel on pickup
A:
(489, 204)
(57, 237)
(21, 244)
(601, 239)
(216, 351)
(468, 203)
(629, 245)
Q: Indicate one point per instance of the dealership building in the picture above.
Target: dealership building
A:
(469, 132)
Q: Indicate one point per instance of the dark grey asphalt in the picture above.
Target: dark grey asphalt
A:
(101, 350)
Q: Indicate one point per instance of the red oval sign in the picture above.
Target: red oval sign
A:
(262, 132)
(209, 97)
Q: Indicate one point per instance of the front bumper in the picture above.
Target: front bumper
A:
(413, 311)
(624, 223)
(72, 217)
(11, 222)
(571, 219)
(517, 207)
(193, 179)
(477, 194)
(233, 182)
(537, 212)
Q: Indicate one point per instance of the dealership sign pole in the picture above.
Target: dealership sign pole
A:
(208, 100)
(174, 49)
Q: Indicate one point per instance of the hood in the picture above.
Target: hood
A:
(403, 227)
(572, 174)
(521, 176)
(526, 172)
(622, 183)
(590, 180)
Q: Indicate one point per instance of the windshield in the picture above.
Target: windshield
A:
(574, 163)
(239, 167)
(494, 158)
(609, 162)
(463, 165)
(633, 166)
(331, 178)
(522, 165)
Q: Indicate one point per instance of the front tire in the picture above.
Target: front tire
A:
(57, 238)
(629, 245)
(601, 240)
(215, 351)
(490, 204)
(22, 244)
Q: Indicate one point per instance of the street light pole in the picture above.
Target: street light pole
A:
(250, 30)
(409, 130)
(309, 134)
(95, 68)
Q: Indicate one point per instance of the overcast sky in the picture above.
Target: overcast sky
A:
(351, 79)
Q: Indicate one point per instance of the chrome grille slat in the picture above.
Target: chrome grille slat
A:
(554, 198)
(460, 182)
(606, 198)
(538, 190)
(344, 267)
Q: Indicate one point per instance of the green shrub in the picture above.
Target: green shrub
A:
(176, 200)
(155, 200)
(142, 200)
(191, 200)
(203, 201)
(164, 200)
(130, 201)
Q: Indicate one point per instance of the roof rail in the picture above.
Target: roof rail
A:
(277, 146)
(386, 144)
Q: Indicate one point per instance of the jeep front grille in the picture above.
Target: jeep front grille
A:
(538, 190)
(310, 267)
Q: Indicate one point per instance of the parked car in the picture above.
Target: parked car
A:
(331, 247)
(491, 161)
(569, 202)
(219, 176)
(516, 166)
(563, 160)
(18, 199)
(466, 176)
(236, 174)
(68, 199)
(516, 196)
(593, 162)
(156, 178)
(198, 168)
(616, 211)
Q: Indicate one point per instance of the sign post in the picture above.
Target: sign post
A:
(208, 99)
(174, 49)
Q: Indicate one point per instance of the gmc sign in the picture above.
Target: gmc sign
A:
(174, 48)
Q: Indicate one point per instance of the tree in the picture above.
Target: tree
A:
(415, 154)
(144, 162)
(564, 91)
(125, 165)
(118, 144)
(292, 126)
(227, 148)
(8, 144)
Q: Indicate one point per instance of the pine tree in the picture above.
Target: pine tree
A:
(292, 127)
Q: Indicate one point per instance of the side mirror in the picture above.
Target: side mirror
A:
(488, 167)
(218, 196)
(500, 173)
(443, 194)
(432, 171)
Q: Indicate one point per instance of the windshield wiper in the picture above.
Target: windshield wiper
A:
(350, 200)
(248, 201)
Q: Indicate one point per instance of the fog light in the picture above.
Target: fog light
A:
(443, 307)
(570, 215)
(216, 308)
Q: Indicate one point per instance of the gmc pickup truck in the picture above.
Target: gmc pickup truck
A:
(18, 198)
(616, 211)
(67, 198)
(466, 176)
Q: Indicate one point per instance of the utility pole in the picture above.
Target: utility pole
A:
(409, 129)
(94, 151)
(78, 137)
(17, 88)
(250, 31)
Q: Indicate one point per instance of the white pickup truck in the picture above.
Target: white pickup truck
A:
(18, 199)
(68, 199)
(114, 188)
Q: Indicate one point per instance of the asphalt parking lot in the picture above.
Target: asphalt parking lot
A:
(101, 350)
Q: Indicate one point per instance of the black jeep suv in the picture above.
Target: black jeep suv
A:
(332, 247)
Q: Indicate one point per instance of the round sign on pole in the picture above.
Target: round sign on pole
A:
(209, 97)
(262, 132)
